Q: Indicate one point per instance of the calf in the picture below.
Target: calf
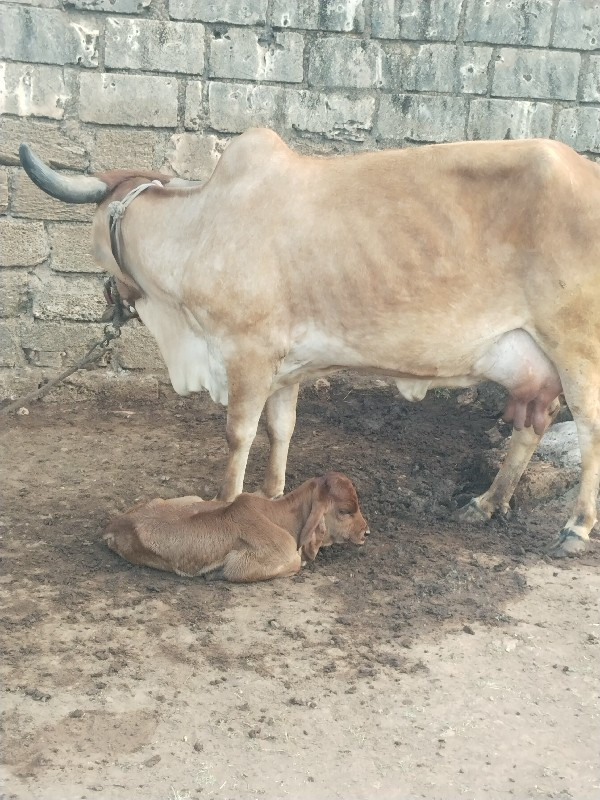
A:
(250, 539)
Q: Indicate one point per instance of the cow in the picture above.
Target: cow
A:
(438, 266)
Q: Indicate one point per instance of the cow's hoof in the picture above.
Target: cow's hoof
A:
(472, 513)
(569, 544)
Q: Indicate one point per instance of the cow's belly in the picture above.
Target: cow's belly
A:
(513, 360)
(194, 359)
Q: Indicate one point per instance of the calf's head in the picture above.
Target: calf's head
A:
(335, 515)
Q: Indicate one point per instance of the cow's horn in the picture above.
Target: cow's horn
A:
(69, 189)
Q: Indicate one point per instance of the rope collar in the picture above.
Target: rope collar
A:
(116, 212)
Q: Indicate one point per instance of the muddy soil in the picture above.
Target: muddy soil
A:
(437, 661)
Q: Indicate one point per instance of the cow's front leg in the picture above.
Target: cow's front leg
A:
(521, 447)
(249, 384)
(281, 419)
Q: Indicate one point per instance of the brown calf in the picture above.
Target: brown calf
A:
(250, 539)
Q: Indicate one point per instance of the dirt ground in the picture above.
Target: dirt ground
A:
(437, 661)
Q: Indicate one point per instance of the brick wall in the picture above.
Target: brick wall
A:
(96, 84)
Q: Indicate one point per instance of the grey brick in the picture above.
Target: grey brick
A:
(536, 73)
(125, 148)
(13, 292)
(577, 24)
(590, 90)
(54, 146)
(195, 115)
(71, 247)
(32, 91)
(3, 190)
(57, 344)
(292, 14)
(240, 12)
(422, 119)
(235, 107)
(434, 20)
(11, 354)
(136, 349)
(384, 21)
(23, 243)
(154, 45)
(30, 202)
(112, 6)
(75, 298)
(138, 100)
(343, 15)
(473, 67)
(337, 61)
(254, 55)
(194, 156)
(509, 119)
(45, 358)
(580, 128)
(47, 37)
(509, 22)
(41, 3)
(336, 116)
(444, 68)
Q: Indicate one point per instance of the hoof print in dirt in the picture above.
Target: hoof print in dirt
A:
(569, 544)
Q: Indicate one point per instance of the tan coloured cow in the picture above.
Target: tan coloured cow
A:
(442, 265)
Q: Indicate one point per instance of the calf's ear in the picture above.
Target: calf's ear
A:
(312, 547)
(312, 523)
(315, 518)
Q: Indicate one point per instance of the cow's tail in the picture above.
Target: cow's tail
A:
(68, 188)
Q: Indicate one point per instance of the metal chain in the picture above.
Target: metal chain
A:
(118, 313)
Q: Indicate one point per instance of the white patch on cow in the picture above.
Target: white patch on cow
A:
(412, 390)
(194, 359)
(517, 362)
(314, 350)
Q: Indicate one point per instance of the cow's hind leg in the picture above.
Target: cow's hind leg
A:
(583, 396)
(522, 446)
(281, 420)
